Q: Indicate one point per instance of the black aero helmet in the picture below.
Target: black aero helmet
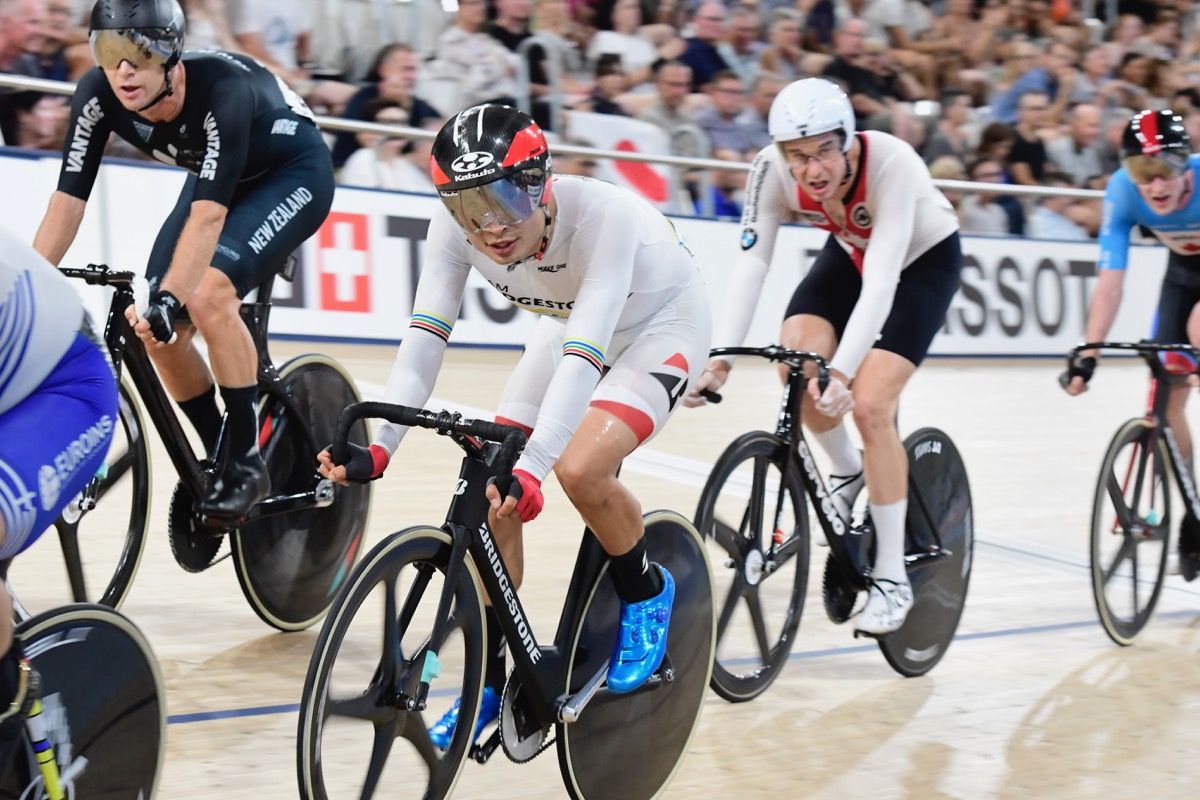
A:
(1155, 144)
(491, 165)
(143, 32)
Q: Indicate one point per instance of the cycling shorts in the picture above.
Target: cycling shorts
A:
(268, 219)
(832, 287)
(1178, 297)
(53, 442)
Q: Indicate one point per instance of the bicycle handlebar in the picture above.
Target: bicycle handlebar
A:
(794, 359)
(1149, 352)
(100, 275)
(511, 439)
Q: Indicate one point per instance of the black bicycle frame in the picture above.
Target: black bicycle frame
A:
(127, 350)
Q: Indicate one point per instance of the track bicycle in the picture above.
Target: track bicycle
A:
(754, 514)
(292, 550)
(100, 727)
(1131, 508)
(408, 628)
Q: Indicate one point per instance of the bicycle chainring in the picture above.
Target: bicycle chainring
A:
(520, 736)
(193, 545)
(839, 597)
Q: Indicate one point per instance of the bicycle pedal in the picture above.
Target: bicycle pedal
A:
(480, 753)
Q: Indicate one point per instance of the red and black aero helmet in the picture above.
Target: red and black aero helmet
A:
(491, 166)
(1155, 144)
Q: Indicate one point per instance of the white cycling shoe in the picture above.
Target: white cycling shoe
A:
(888, 604)
(843, 492)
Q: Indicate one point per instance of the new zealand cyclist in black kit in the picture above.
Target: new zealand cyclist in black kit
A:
(260, 183)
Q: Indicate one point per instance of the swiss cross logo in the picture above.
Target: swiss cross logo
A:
(344, 263)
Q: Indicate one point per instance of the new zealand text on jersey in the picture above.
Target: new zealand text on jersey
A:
(88, 117)
(279, 216)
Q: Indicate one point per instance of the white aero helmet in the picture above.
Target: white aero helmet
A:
(810, 107)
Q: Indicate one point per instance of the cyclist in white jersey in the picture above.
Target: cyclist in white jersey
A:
(58, 404)
(872, 301)
(624, 331)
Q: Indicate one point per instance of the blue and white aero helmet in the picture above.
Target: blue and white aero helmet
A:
(810, 107)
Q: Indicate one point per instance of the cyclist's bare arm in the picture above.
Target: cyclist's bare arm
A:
(194, 253)
(59, 227)
(1106, 300)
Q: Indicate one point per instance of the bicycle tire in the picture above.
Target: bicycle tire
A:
(1140, 534)
(103, 701)
(119, 522)
(629, 746)
(291, 565)
(939, 492)
(746, 665)
(429, 548)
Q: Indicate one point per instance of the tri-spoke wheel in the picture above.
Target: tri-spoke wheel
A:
(754, 497)
(1131, 524)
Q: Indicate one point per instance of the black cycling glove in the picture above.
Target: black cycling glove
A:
(161, 313)
(366, 463)
(1083, 368)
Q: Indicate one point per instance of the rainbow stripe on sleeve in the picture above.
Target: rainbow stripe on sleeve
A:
(586, 350)
(428, 322)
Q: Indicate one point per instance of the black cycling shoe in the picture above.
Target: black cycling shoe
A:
(236, 490)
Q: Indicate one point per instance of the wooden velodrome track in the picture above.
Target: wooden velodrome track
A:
(1032, 700)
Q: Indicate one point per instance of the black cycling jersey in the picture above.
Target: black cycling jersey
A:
(238, 122)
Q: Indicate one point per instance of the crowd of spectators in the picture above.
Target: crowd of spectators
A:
(1025, 92)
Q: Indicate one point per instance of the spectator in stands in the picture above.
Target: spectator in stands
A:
(820, 20)
(980, 212)
(275, 33)
(783, 54)
(727, 188)
(40, 121)
(1049, 218)
(673, 81)
(895, 82)
(743, 42)
(949, 137)
(978, 41)
(701, 54)
(886, 21)
(1123, 37)
(560, 61)
(394, 76)
(847, 70)
(1095, 72)
(22, 36)
(1112, 127)
(565, 164)
(1130, 87)
(1052, 72)
(758, 107)
(950, 168)
(380, 162)
(484, 70)
(208, 26)
(1076, 154)
(65, 54)
(635, 48)
(607, 89)
(727, 99)
(1027, 161)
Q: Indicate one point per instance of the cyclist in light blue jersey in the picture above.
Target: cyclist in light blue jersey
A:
(58, 405)
(1155, 188)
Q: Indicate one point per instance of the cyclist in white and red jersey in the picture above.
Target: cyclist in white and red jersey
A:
(625, 330)
(872, 301)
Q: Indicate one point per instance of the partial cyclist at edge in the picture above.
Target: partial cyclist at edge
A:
(58, 407)
(260, 184)
(624, 330)
(872, 301)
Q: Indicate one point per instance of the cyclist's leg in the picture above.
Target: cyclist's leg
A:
(649, 373)
(51, 444)
(923, 295)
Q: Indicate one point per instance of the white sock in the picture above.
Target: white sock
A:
(844, 457)
(889, 541)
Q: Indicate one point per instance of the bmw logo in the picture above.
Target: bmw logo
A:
(749, 237)
(472, 162)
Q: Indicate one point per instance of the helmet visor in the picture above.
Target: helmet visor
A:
(504, 203)
(1144, 169)
(111, 47)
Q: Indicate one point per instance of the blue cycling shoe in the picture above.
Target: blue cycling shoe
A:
(443, 729)
(642, 638)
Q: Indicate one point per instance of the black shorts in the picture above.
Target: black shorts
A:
(269, 218)
(1179, 295)
(831, 289)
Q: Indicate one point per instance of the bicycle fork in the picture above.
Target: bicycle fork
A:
(44, 752)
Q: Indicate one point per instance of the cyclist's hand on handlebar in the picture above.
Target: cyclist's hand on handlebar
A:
(836, 399)
(365, 464)
(524, 496)
(157, 324)
(711, 380)
(1075, 378)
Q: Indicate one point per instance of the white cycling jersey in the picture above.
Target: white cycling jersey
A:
(40, 316)
(893, 214)
(615, 270)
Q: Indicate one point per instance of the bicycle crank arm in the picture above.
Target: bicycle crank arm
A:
(573, 707)
(480, 753)
(320, 496)
(916, 559)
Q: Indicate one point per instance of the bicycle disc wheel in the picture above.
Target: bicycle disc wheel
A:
(369, 656)
(1131, 524)
(758, 607)
(103, 703)
(939, 498)
(290, 566)
(101, 544)
(629, 746)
